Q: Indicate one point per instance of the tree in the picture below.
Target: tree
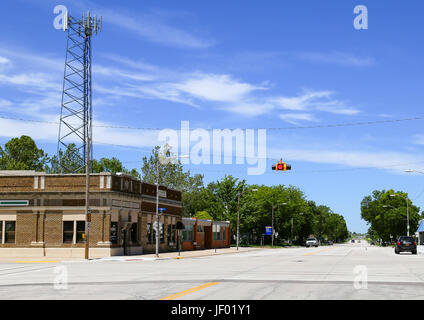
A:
(203, 215)
(171, 173)
(71, 161)
(112, 165)
(387, 215)
(22, 154)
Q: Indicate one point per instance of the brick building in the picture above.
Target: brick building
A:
(44, 215)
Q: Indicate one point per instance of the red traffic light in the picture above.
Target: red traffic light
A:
(281, 166)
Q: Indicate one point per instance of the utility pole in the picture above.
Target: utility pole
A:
(238, 213)
(87, 200)
(157, 206)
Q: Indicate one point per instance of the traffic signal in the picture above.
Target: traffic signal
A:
(281, 166)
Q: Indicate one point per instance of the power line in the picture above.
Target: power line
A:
(348, 124)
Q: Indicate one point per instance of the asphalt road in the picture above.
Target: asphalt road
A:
(348, 271)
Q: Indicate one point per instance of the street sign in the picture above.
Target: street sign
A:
(155, 226)
(14, 203)
(161, 209)
(268, 231)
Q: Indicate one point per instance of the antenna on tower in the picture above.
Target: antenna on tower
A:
(75, 127)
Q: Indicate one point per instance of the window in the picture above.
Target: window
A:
(200, 229)
(80, 231)
(223, 233)
(171, 233)
(113, 232)
(9, 232)
(188, 233)
(1, 231)
(149, 233)
(68, 231)
(216, 232)
(162, 233)
(134, 233)
(71, 228)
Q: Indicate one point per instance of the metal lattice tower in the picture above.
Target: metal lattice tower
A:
(75, 127)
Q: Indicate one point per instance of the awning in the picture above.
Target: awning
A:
(421, 227)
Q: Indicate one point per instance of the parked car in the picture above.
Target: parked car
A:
(329, 242)
(311, 242)
(352, 241)
(406, 244)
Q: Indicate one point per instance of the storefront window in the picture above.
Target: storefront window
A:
(80, 231)
(114, 232)
(149, 233)
(188, 233)
(162, 233)
(68, 231)
(9, 234)
(134, 233)
(216, 232)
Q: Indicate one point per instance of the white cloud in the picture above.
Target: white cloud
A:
(102, 135)
(151, 27)
(249, 109)
(4, 60)
(39, 80)
(294, 117)
(301, 102)
(213, 87)
(387, 160)
(4, 104)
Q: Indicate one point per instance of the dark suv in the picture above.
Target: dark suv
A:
(405, 243)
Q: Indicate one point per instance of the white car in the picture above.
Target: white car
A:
(311, 242)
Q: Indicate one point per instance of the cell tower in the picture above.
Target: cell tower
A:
(75, 125)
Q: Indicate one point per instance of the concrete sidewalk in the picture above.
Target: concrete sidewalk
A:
(162, 256)
(182, 255)
(420, 249)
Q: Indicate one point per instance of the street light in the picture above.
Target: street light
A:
(407, 212)
(272, 226)
(301, 213)
(164, 159)
(239, 194)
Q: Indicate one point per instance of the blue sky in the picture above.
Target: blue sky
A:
(237, 64)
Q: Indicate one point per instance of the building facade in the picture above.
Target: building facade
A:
(44, 215)
(201, 234)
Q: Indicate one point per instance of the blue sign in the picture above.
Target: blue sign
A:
(268, 231)
(161, 209)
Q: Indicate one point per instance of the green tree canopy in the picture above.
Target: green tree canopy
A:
(22, 154)
(203, 215)
(386, 213)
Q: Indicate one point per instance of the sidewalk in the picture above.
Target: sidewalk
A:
(420, 249)
(182, 255)
(145, 257)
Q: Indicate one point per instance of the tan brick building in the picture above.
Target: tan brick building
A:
(44, 215)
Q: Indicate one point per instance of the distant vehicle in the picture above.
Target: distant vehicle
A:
(407, 244)
(353, 241)
(359, 241)
(372, 243)
(311, 242)
(329, 242)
